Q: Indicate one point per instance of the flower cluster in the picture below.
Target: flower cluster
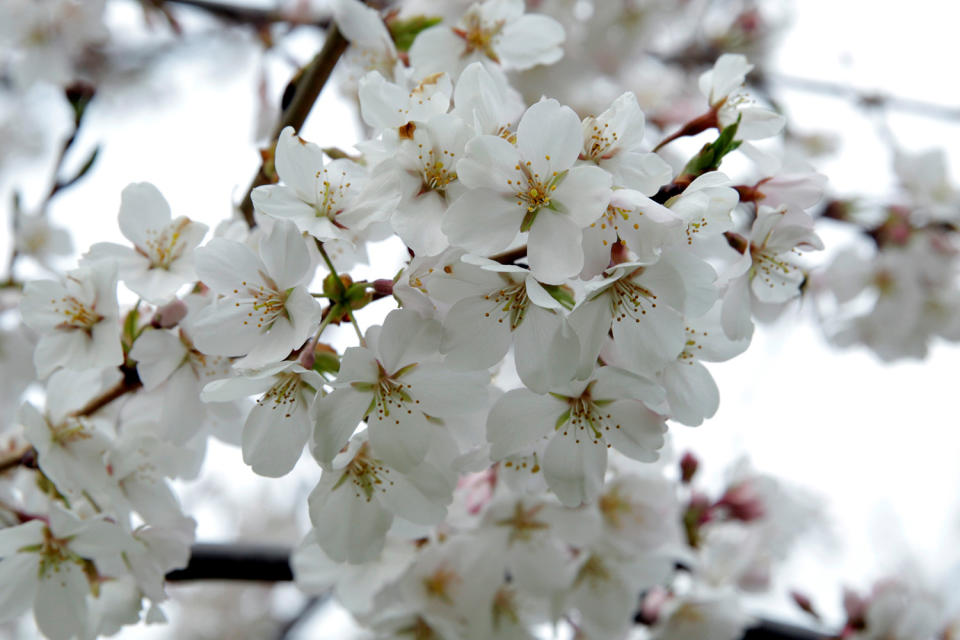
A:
(488, 450)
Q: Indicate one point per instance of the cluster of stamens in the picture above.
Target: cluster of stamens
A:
(329, 195)
(601, 140)
(163, 246)
(437, 172)
(584, 420)
(477, 36)
(535, 194)
(266, 303)
(767, 266)
(366, 474)
(510, 302)
(283, 394)
(630, 300)
(78, 315)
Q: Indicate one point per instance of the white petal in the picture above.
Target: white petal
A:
(640, 432)
(274, 435)
(584, 194)
(142, 209)
(285, 254)
(554, 248)
(472, 337)
(18, 584)
(574, 464)
(483, 221)
(348, 526)
(549, 137)
(399, 435)
(444, 393)
(298, 163)
(519, 420)
(547, 350)
(335, 418)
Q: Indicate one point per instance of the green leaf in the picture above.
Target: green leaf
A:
(404, 32)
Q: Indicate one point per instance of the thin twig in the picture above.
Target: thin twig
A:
(248, 15)
(866, 98)
(25, 456)
(308, 88)
(130, 382)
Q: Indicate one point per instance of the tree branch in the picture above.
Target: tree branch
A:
(130, 382)
(259, 563)
(308, 87)
(247, 15)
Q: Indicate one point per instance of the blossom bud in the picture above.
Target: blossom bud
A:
(652, 605)
(742, 502)
(688, 467)
(325, 358)
(383, 287)
(803, 601)
(308, 355)
(169, 315)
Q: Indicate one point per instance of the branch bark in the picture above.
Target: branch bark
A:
(259, 563)
(308, 88)
(247, 15)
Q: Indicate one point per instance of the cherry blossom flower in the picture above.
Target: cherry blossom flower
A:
(509, 306)
(722, 86)
(581, 421)
(398, 385)
(161, 260)
(644, 307)
(322, 199)
(533, 186)
(265, 311)
(495, 31)
(278, 426)
(53, 566)
(357, 498)
(614, 140)
(78, 319)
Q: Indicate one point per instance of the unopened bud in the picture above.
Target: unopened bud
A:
(308, 354)
(742, 502)
(383, 287)
(803, 601)
(169, 315)
(652, 605)
(688, 467)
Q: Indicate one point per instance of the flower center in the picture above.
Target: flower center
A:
(510, 302)
(266, 303)
(283, 394)
(77, 315)
(630, 300)
(365, 474)
(164, 246)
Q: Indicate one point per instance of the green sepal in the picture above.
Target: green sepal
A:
(404, 32)
(562, 420)
(528, 220)
(562, 294)
(326, 362)
(712, 153)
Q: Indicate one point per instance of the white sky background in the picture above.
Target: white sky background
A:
(880, 444)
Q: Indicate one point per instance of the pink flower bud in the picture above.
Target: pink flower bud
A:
(688, 467)
(742, 502)
(383, 287)
(169, 315)
(309, 354)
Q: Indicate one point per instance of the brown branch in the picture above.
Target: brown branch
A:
(247, 15)
(509, 257)
(308, 87)
(23, 457)
(130, 382)
(863, 97)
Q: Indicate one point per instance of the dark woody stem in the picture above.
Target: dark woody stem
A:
(307, 89)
